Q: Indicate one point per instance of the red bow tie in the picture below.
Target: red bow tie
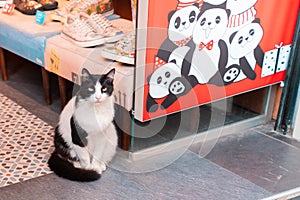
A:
(208, 46)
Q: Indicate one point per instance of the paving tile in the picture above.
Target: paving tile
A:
(285, 138)
(112, 185)
(192, 177)
(272, 164)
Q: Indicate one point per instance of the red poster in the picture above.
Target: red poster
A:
(199, 51)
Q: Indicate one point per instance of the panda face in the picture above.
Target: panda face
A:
(246, 40)
(211, 25)
(178, 55)
(161, 79)
(182, 23)
(239, 6)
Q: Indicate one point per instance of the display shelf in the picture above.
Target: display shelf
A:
(65, 59)
(22, 36)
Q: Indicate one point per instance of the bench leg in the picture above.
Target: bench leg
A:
(2, 65)
(62, 91)
(46, 86)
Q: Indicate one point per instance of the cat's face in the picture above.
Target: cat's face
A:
(96, 88)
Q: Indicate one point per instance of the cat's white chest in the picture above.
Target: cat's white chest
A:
(94, 118)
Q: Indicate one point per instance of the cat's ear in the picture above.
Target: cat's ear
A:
(85, 75)
(111, 74)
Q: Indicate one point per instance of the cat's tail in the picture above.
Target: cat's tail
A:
(65, 169)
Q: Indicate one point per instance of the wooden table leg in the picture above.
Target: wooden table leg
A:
(123, 124)
(62, 91)
(2, 65)
(126, 141)
(46, 85)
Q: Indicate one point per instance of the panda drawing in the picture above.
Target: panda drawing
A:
(166, 81)
(180, 29)
(243, 54)
(244, 45)
(207, 36)
(242, 13)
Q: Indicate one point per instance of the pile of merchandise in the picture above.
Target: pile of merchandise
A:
(85, 24)
(90, 30)
(29, 7)
(74, 7)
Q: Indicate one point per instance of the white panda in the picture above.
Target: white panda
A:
(161, 79)
(209, 30)
(181, 23)
(165, 81)
(244, 46)
(244, 53)
(180, 29)
(242, 13)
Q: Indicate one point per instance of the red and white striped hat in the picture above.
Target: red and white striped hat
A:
(242, 18)
(185, 3)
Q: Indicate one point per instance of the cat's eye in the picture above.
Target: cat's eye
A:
(90, 89)
(104, 89)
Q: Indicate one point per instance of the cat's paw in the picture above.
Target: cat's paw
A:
(77, 164)
(101, 167)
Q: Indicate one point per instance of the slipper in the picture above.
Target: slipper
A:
(28, 7)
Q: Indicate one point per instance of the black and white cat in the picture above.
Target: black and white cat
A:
(85, 137)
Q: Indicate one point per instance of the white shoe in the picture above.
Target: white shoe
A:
(103, 26)
(80, 32)
(78, 6)
(123, 51)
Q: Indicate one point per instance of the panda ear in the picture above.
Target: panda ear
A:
(196, 4)
(171, 14)
(223, 5)
(232, 36)
(173, 61)
(256, 20)
(228, 12)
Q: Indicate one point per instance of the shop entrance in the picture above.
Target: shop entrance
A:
(205, 123)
